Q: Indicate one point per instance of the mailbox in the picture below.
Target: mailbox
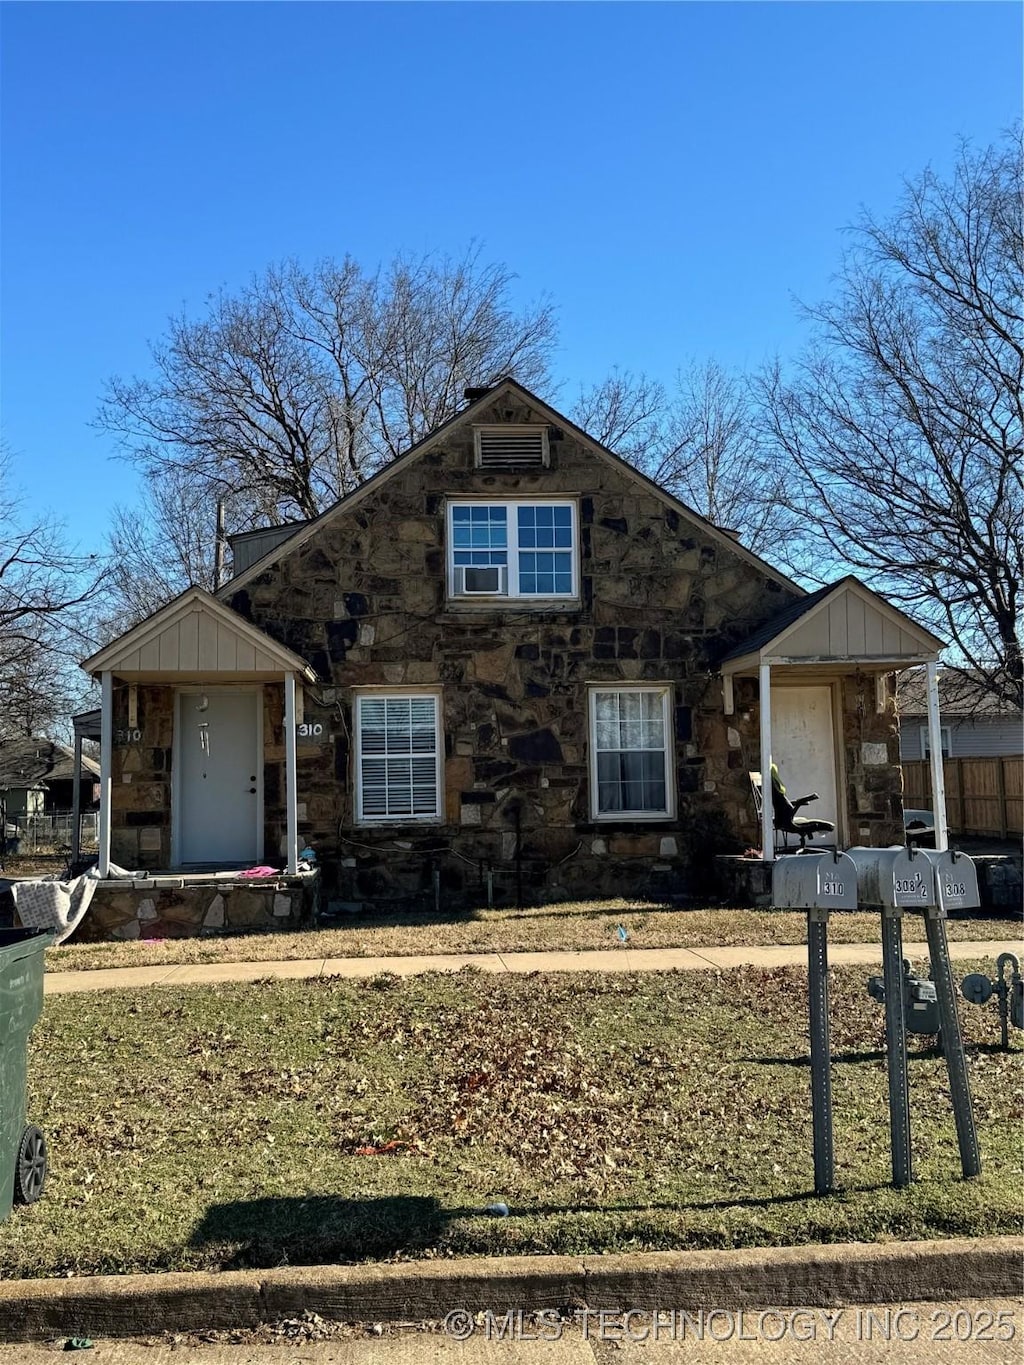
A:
(893, 878)
(956, 879)
(809, 881)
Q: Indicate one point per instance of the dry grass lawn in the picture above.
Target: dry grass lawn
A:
(330, 1120)
(570, 925)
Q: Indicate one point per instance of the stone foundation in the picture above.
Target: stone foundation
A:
(180, 907)
(744, 882)
(1000, 881)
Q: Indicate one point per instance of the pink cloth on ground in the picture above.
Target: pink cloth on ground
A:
(259, 872)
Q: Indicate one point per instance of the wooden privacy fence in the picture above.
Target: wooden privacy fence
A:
(983, 795)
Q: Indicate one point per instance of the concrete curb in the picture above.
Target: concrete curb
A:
(763, 1277)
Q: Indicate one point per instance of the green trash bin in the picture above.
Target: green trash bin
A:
(22, 1147)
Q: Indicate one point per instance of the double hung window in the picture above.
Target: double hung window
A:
(512, 549)
(945, 739)
(630, 752)
(398, 757)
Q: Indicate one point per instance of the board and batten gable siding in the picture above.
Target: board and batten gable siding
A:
(981, 737)
(849, 627)
(196, 643)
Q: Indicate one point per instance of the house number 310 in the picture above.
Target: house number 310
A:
(310, 730)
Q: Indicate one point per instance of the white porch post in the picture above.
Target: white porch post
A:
(767, 812)
(106, 757)
(935, 746)
(76, 802)
(290, 777)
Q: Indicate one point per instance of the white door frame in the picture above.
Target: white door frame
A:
(779, 682)
(196, 689)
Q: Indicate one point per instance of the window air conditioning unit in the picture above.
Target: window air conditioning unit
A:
(473, 580)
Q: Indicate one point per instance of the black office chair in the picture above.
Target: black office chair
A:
(787, 820)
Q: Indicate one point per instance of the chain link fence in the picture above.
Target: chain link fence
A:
(25, 835)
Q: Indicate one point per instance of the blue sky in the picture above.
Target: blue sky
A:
(671, 174)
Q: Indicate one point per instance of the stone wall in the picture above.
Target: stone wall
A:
(140, 806)
(364, 601)
(177, 908)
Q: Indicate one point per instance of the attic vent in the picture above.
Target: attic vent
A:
(511, 447)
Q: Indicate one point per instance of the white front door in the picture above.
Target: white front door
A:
(804, 751)
(219, 777)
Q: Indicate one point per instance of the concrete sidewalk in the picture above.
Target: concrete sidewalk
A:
(602, 960)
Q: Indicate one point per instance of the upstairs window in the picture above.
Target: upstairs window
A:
(512, 549)
(398, 757)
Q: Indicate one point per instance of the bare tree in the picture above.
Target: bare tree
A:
(159, 547)
(293, 391)
(902, 429)
(43, 587)
(625, 412)
(700, 440)
(712, 457)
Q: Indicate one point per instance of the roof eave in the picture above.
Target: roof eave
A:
(553, 417)
(289, 661)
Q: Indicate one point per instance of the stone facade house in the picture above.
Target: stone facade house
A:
(508, 665)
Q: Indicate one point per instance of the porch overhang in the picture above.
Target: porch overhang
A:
(196, 639)
(842, 629)
(195, 636)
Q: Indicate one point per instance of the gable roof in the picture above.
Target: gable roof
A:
(34, 762)
(778, 623)
(960, 694)
(844, 621)
(196, 633)
(552, 417)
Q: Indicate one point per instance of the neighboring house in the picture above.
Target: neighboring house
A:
(974, 724)
(37, 777)
(507, 660)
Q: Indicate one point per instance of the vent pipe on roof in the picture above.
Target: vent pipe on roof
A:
(220, 542)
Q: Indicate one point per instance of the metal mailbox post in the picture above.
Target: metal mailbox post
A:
(888, 880)
(956, 888)
(817, 883)
(892, 880)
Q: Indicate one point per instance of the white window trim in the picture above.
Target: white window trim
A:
(376, 693)
(666, 691)
(945, 741)
(513, 593)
